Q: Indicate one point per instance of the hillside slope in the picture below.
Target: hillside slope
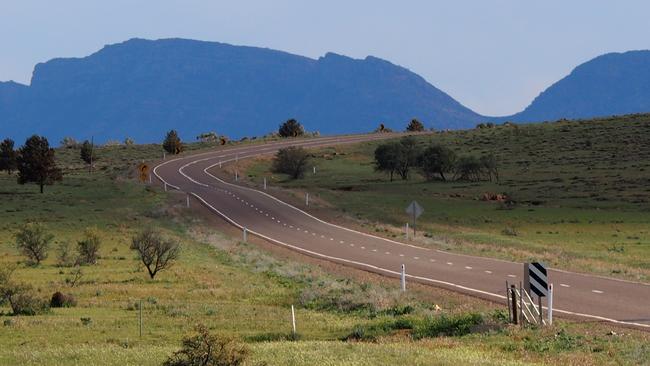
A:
(611, 84)
(141, 88)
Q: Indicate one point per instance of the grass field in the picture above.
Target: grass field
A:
(235, 289)
(581, 189)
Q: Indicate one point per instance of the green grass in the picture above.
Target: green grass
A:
(581, 189)
(232, 288)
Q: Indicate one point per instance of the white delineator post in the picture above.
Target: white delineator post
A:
(293, 320)
(164, 155)
(245, 235)
(549, 304)
(165, 187)
(188, 200)
(264, 183)
(236, 175)
(407, 231)
(219, 165)
(403, 278)
(314, 170)
(306, 199)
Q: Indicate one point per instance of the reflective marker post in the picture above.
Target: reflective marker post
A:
(165, 186)
(407, 231)
(245, 235)
(549, 303)
(306, 199)
(188, 200)
(403, 278)
(293, 321)
(264, 183)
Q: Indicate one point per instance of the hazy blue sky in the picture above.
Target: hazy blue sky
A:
(492, 56)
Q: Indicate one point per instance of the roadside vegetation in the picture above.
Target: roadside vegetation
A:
(80, 302)
(570, 193)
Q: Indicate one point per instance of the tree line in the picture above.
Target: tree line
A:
(434, 162)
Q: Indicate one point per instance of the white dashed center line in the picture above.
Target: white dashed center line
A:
(597, 291)
(449, 263)
(468, 267)
(488, 272)
(564, 285)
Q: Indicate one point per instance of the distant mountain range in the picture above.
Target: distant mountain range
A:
(142, 88)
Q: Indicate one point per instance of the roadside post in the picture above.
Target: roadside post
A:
(220, 165)
(314, 170)
(403, 278)
(406, 231)
(293, 321)
(165, 186)
(306, 199)
(236, 175)
(265, 183)
(245, 235)
(549, 304)
(187, 198)
(415, 210)
(164, 155)
(140, 317)
(536, 282)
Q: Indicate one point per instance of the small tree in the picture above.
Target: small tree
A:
(88, 247)
(468, 168)
(129, 141)
(207, 349)
(8, 156)
(172, 143)
(292, 161)
(291, 128)
(19, 295)
(387, 158)
(86, 152)
(155, 252)
(36, 163)
(437, 160)
(409, 153)
(490, 166)
(33, 241)
(415, 126)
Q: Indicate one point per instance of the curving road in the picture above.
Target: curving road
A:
(588, 296)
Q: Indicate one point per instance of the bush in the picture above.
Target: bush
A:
(208, 349)
(61, 300)
(291, 128)
(88, 247)
(26, 303)
(415, 126)
(64, 256)
(450, 326)
(292, 161)
(33, 241)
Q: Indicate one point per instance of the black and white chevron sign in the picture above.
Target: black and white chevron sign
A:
(538, 279)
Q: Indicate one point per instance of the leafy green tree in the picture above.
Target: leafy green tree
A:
(8, 156)
(172, 143)
(437, 160)
(36, 163)
(292, 161)
(33, 241)
(490, 166)
(387, 158)
(129, 141)
(415, 126)
(155, 252)
(291, 128)
(468, 168)
(409, 153)
(86, 152)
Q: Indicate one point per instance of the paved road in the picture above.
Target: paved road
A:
(587, 296)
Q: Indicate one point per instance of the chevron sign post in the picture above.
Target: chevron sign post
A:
(538, 279)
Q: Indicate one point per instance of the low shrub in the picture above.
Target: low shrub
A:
(61, 300)
(26, 303)
(273, 337)
(205, 348)
(450, 326)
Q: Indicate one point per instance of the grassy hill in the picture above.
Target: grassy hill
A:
(241, 290)
(580, 189)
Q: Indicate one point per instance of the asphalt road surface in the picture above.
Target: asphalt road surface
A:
(587, 296)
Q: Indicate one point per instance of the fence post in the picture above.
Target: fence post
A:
(513, 296)
(403, 278)
(521, 304)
